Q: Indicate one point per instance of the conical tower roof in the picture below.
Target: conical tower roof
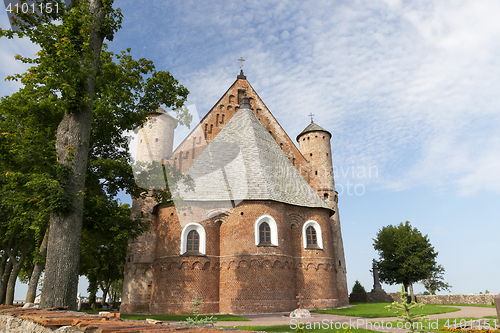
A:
(313, 127)
(244, 162)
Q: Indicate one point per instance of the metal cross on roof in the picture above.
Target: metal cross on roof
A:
(311, 115)
(241, 60)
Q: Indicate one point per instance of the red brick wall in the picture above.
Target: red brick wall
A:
(236, 276)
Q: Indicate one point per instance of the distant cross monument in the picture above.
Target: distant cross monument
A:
(376, 282)
(300, 297)
(241, 60)
(311, 115)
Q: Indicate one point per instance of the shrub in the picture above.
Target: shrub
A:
(358, 288)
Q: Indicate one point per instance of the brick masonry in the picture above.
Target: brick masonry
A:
(235, 275)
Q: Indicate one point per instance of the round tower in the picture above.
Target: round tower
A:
(156, 137)
(314, 144)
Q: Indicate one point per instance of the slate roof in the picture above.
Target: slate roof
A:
(244, 162)
(313, 127)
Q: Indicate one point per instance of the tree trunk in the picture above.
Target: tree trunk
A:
(60, 284)
(105, 291)
(411, 293)
(37, 270)
(3, 263)
(16, 267)
(4, 280)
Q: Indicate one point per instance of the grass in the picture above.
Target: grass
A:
(429, 326)
(378, 310)
(435, 324)
(308, 329)
(222, 317)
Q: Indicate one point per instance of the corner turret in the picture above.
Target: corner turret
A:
(156, 137)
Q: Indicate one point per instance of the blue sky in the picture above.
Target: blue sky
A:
(410, 89)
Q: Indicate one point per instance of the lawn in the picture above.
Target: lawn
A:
(378, 310)
(434, 325)
(222, 317)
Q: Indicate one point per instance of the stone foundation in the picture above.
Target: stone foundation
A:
(481, 299)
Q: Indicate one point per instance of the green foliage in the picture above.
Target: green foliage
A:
(196, 320)
(358, 288)
(34, 184)
(435, 281)
(406, 256)
(403, 310)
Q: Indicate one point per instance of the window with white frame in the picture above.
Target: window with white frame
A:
(311, 235)
(193, 239)
(266, 231)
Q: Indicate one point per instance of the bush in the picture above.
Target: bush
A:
(358, 288)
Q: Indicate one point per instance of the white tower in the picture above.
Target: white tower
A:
(156, 137)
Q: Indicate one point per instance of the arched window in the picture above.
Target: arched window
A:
(311, 235)
(193, 239)
(266, 231)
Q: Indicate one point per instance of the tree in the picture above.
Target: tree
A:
(405, 255)
(403, 310)
(67, 64)
(435, 282)
(358, 288)
(28, 181)
(65, 75)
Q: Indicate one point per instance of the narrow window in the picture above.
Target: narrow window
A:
(193, 241)
(311, 236)
(325, 196)
(222, 121)
(217, 120)
(316, 173)
(265, 233)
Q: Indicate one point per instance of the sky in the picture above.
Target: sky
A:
(410, 90)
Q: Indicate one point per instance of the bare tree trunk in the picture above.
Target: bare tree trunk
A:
(3, 263)
(37, 270)
(105, 291)
(60, 284)
(16, 267)
(411, 292)
(4, 280)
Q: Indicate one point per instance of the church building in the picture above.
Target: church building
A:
(256, 230)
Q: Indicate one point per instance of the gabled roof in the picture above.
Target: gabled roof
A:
(244, 162)
(313, 127)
